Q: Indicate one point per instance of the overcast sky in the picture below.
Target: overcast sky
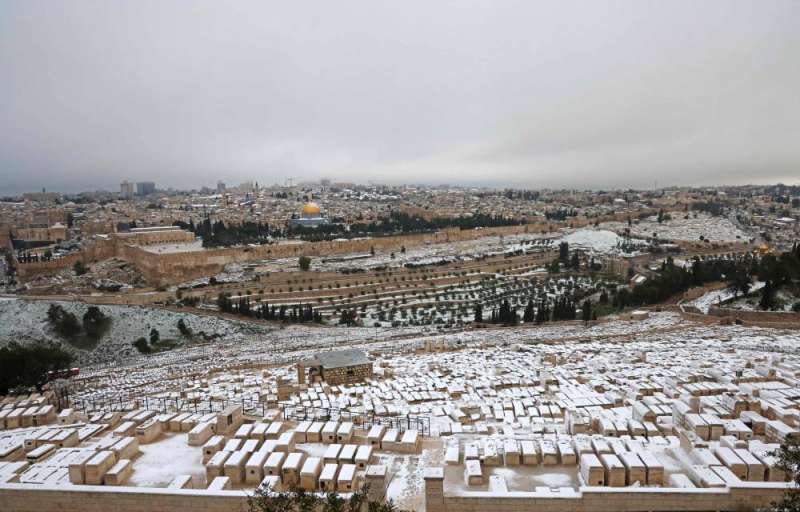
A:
(528, 94)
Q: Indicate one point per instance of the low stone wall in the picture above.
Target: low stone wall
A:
(86, 498)
(748, 496)
(700, 318)
(762, 316)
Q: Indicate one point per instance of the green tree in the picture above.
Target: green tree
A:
(586, 310)
(563, 251)
(739, 281)
(26, 366)
(528, 315)
(155, 336)
(575, 261)
(767, 301)
(304, 262)
(479, 313)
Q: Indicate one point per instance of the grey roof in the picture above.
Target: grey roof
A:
(340, 358)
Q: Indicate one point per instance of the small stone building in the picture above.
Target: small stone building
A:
(336, 367)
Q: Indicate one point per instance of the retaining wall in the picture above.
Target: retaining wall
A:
(747, 496)
(88, 498)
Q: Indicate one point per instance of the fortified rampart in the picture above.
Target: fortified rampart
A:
(175, 267)
(96, 250)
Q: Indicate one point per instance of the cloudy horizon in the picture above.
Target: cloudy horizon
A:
(611, 94)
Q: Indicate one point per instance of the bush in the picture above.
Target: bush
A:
(64, 323)
(304, 262)
(183, 328)
(79, 268)
(141, 345)
(95, 323)
(265, 499)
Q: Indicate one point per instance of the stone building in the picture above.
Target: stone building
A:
(336, 367)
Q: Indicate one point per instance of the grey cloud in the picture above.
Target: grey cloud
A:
(596, 94)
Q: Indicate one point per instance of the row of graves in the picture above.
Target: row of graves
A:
(237, 452)
(612, 416)
(314, 455)
(671, 413)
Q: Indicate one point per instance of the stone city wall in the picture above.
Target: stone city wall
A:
(167, 236)
(176, 267)
(94, 251)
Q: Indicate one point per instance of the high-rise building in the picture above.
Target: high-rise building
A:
(220, 187)
(126, 190)
(145, 188)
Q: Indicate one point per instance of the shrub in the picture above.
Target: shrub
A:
(141, 345)
(64, 323)
(183, 328)
(95, 323)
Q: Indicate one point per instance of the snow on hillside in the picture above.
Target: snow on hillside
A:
(598, 241)
(718, 297)
(26, 321)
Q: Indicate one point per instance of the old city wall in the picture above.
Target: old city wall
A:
(37, 498)
(176, 267)
(171, 268)
(95, 251)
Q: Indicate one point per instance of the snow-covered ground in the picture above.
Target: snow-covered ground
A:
(26, 321)
(564, 386)
(421, 255)
(686, 227)
(161, 461)
(719, 297)
(598, 241)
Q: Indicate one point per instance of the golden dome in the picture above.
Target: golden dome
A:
(311, 210)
